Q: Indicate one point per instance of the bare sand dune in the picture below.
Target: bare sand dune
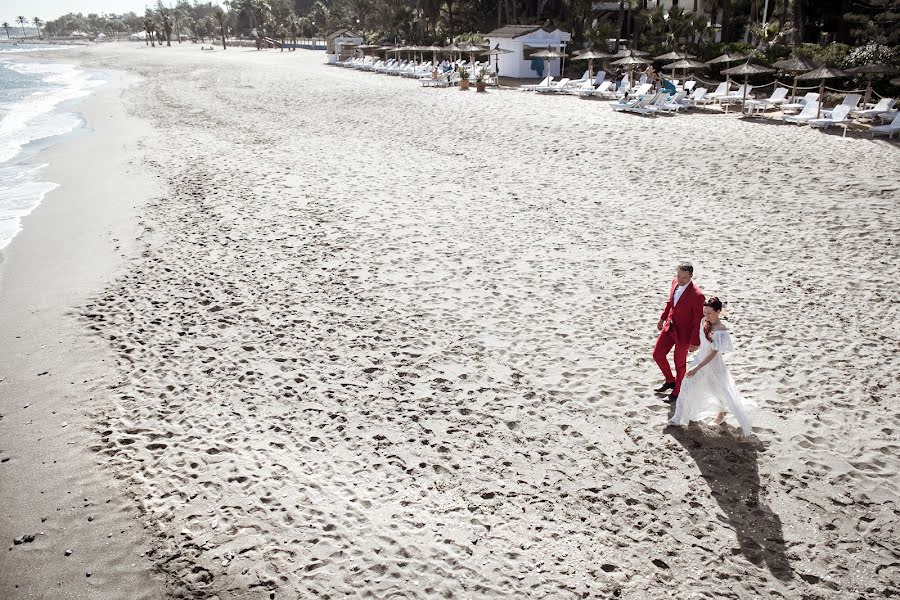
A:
(394, 342)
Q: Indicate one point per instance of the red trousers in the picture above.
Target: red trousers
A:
(664, 344)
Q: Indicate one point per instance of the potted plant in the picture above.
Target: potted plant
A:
(463, 78)
(480, 83)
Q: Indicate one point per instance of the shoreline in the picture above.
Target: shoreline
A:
(69, 248)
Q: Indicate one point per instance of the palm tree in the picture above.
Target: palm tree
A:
(38, 23)
(22, 21)
(5, 26)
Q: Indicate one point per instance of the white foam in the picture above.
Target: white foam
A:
(33, 118)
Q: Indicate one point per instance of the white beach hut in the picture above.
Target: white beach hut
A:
(336, 41)
(524, 40)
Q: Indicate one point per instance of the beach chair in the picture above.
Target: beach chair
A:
(641, 90)
(811, 97)
(850, 100)
(736, 96)
(696, 96)
(889, 130)
(531, 87)
(553, 87)
(689, 85)
(586, 87)
(638, 104)
(674, 104)
(778, 96)
(720, 91)
(656, 105)
(884, 105)
(809, 112)
(599, 91)
(838, 117)
(586, 76)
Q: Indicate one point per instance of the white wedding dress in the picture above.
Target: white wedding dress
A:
(711, 390)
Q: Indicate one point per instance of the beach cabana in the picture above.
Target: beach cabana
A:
(338, 44)
(523, 41)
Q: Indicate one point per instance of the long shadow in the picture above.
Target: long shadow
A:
(730, 469)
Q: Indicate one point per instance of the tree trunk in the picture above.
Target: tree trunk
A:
(450, 18)
(621, 22)
(843, 32)
(798, 22)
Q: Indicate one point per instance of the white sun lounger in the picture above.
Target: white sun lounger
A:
(889, 130)
(884, 105)
(553, 87)
(638, 104)
(777, 97)
(850, 100)
(720, 91)
(531, 87)
(696, 96)
(602, 89)
(838, 117)
(809, 112)
(809, 98)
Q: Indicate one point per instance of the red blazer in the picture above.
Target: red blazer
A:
(682, 320)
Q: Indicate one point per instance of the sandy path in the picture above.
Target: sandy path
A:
(362, 355)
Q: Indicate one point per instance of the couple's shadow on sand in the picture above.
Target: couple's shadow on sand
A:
(730, 468)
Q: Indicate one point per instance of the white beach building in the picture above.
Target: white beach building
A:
(336, 44)
(523, 41)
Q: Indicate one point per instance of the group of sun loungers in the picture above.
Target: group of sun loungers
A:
(418, 70)
(808, 112)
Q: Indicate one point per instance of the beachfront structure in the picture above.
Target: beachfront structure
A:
(523, 41)
(337, 42)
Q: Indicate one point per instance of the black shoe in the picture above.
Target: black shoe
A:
(671, 398)
(665, 387)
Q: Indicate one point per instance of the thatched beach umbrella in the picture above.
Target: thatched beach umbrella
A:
(685, 64)
(870, 71)
(668, 56)
(823, 73)
(434, 50)
(471, 49)
(627, 52)
(590, 56)
(496, 51)
(747, 69)
(727, 58)
(796, 66)
(629, 61)
(548, 54)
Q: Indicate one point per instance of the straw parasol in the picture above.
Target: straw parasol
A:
(548, 54)
(727, 58)
(496, 51)
(870, 70)
(747, 69)
(471, 49)
(590, 56)
(673, 56)
(895, 81)
(434, 50)
(823, 73)
(685, 64)
(796, 66)
(629, 61)
(627, 52)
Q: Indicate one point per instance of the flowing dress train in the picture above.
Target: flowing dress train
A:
(711, 390)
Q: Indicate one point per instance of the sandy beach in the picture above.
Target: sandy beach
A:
(332, 334)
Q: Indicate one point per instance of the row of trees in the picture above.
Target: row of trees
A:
(639, 22)
(22, 22)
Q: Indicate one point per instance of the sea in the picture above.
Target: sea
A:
(36, 109)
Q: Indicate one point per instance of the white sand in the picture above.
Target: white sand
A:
(393, 342)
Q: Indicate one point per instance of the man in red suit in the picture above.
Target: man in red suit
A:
(679, 326)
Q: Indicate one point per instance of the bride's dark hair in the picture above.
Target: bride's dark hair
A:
(717, 305)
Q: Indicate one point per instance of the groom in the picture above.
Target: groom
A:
(679, 326)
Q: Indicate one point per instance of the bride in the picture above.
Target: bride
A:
(708, 388)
